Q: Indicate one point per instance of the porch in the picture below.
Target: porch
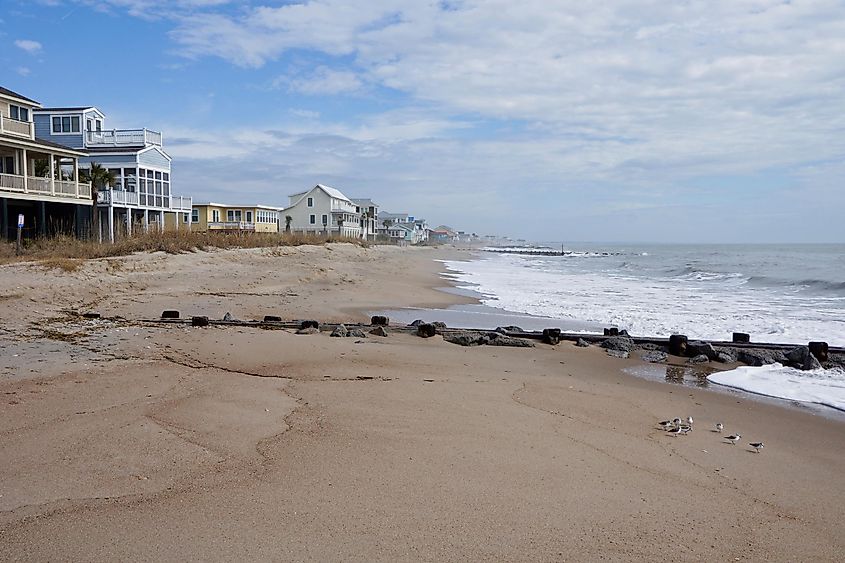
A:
(40, 174)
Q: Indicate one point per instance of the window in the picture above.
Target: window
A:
(99, 126)
(184, 217)
(88, 125)
(310, 202)
(215, 216)
(66, 124)
(195, 216)
(312, 219)
(230, 215)
(18, 112)
(249, 216)
(325, 220)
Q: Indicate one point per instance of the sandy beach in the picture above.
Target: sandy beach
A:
(122, 440)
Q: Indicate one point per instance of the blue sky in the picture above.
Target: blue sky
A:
(701, 121)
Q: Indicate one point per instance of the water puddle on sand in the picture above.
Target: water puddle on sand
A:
(688, 376)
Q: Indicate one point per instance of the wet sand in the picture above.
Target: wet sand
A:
(121, 440)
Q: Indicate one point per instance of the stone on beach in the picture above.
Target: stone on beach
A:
(272, 319)
(426, 330)
(309, 330)
(619, 343)
(467, 338)
(228, 317)
(801, 358)
(698, 359)
(379, 331)
(678, 345)
(340, 331)
(624, 354)
(170, 314)
(581, 343)
(701, 348)
(356, 333)
(509, 328)
(199, 321)
(760, 357)
(655, 356)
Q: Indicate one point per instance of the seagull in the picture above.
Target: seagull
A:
(689, 421)
(757, 446)
(666, 423)
(733, 438)
(677, 422)
(719, 427)
(676, 431)
(685, 428)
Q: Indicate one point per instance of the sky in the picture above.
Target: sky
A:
(632, 120)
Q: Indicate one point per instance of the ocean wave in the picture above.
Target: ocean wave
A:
(823, 387)
(837, 287)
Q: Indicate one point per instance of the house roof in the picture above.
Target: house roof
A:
(41, 143)
(11, 94)
(332, 192)
(364, 202)
(236, 206)
(78, 108)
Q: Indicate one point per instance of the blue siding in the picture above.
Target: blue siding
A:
(109, 160)
(44, 132)
(154, 158)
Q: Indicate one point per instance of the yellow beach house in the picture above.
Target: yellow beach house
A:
(235, 218)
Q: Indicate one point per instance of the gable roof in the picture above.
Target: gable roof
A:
(78, 108)
(11, 94)
(332, 192)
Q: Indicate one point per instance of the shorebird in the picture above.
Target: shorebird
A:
(719, 427)
(676, 431)
(689, 421)
(685, 428)
(676, 422)
(733, 438)
(665, 423)
(757, 446)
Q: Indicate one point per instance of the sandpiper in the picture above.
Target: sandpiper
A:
(757, 446)
(733, 438)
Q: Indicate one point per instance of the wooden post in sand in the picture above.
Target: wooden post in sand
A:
(819, 350)
(741, 338)
(678, 345)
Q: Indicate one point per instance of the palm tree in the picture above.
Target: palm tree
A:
(100, 178)
(288, 221)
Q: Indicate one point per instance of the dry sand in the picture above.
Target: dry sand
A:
(124, 441)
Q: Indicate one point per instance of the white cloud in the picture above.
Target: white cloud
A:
(322, 81)
(23, 71)
(28, 45)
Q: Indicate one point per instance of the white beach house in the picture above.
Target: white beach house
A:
(325, 210)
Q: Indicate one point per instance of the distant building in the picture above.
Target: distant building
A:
(323, 209)
(39, 178)
(141, 194)
(235, 218)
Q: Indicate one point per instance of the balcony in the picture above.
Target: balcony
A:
(17, 128)
(12, 183)
(124, 198)
(231, 226)
(122, 138)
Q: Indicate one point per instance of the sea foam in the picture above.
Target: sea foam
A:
(823, 387)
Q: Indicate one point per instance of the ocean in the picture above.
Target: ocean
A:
(776, 293)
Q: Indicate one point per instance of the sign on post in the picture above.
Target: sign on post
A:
(20, 229)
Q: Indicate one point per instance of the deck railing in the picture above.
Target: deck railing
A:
(15, 127)
(232, 225)
(123, 137)
(181, 203)
(43, 186)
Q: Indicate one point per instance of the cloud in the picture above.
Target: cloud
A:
(636, 103)
(23, 71)
(28, 45)
(322, 81)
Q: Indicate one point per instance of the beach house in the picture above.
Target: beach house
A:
(140, 196)
(369, 211)
(325, 210)
(39, 179)
(212, 216)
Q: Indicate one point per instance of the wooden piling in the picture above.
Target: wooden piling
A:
(678, 345)
(819, 350)
(741, 338)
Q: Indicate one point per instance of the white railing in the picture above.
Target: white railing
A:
(122, 137)
(66, 187)
(181, 203)
(117, 197)
(10, 182)
(39, 185)
(232, 225)
(15, 127)
(43, 186)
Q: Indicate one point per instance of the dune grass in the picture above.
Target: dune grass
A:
(68, 253)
